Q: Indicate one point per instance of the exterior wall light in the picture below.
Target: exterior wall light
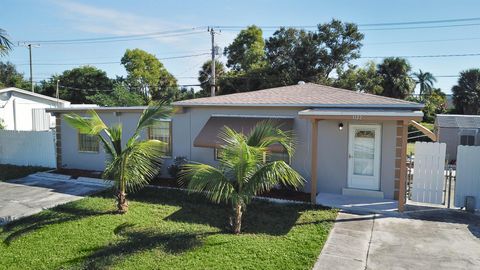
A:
(340, 126)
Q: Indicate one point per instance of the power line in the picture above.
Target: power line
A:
(420, 41)
(111, 62)
(153, 35)
(425, 56)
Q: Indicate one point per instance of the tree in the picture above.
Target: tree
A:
(243, 172)
(365, 80)
(425, 80)
(131, 166)
(247, 50)
(77, 84)
(10, 77)
(147, 75)
(5, 43)
(466, 94)
(338, 43)
(204, 75)
(119, 96)
(434, 103)
(396, 81)
(292, 56)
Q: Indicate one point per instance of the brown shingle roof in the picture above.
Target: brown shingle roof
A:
(301, 95)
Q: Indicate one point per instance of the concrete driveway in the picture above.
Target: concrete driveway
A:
(30, 195)
(437, 239)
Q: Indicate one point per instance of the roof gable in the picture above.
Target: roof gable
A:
(302, 95)
(28, 93)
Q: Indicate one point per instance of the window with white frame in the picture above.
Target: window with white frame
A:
(88, 143)
(162, 131)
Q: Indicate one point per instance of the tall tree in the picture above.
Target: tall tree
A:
(5, 43)
(131, 165)
(396, 81)
(466, 94)
(10, 77)
(78, 83)
(147, 75)
(247, 50)
(120, 96)
(363, 79)
(338, 43)
(244, 172)
(425, 81)
(292, 56)
(204, 75)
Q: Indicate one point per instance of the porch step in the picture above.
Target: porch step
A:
(363, 193)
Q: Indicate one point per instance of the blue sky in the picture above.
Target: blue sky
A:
(74, 19)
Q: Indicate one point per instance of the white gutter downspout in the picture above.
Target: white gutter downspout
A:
(14, 114)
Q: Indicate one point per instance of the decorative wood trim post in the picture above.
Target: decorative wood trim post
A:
(58, 139)
(401, 163)
(314, 148)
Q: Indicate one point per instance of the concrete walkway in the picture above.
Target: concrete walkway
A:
(440, 239)
(34, 193)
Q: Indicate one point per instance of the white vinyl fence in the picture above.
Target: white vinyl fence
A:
(468, 175)
(428, 176)
(27, 148)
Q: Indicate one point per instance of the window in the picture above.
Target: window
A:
(467, 140)
(162, 131)
(217, 153)
(88, 143)
(274, 156)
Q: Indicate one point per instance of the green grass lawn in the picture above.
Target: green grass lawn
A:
(165, 229)
(11, 171)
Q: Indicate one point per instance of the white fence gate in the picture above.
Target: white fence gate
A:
(468, 175)
(428, 177)
(27, 148)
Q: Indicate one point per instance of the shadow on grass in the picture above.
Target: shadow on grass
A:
(56, 215)
(260, 217)
(137, 241)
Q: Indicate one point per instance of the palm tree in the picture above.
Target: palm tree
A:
(243, 171)
(5, 43)
(130, 166)
(395, 74)
(425, 80)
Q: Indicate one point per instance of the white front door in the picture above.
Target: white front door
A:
(364, 156)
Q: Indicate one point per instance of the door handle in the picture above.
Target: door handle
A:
(350, 156)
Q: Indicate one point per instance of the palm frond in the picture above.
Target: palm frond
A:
(115, 135)
(271, 174)
(269, 132)
(5, 43)
(208, 179)
(92, 125)
(142, 162)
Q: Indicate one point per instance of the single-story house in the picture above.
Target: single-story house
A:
(25, 110)
(346, 142)
(455, 130)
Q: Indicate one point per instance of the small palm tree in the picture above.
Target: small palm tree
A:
(243, 171)
(425, 80)
(130, 166)
(5, 43)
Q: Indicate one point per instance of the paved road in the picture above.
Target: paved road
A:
(30, 195)
(438, 239)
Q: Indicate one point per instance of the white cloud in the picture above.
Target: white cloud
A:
(99, 20)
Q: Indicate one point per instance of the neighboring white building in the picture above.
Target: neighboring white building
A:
(25, 110)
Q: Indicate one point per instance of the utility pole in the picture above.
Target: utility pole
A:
(29, 46)
(213, 81)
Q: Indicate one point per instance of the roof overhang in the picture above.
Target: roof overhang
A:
(209, 135)
(360, 114)
(301, 105)
(97, 109)
(28, 93)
